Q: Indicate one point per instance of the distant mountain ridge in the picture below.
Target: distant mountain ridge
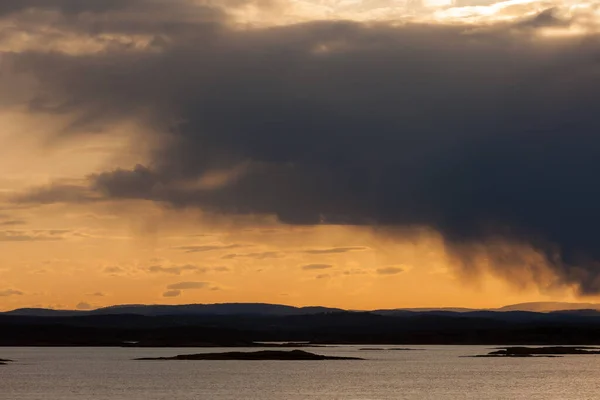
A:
(264, 309)
(549, 306)
(186, 309)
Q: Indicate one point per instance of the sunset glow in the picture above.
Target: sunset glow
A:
(354, 154)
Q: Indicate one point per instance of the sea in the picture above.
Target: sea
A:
(432, 372)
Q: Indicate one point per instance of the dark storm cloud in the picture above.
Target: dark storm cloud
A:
(78, 8)
(476, 132)
(65, 6)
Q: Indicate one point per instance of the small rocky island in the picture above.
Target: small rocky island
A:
(556, 351)
(267, 355)
(4, 361)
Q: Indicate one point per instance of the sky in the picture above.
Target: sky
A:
(347, 153)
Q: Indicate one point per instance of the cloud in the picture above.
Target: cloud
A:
(222, 269)
(10, 292)
(32, 235)
(483, 132)
(176, 270)
(204, 248)
(13, 222)
(323, 276)
(313, 267)
(97, 294)
(57, 193)
(176, 289)
(389, 270)
(355, 271)
(188, 285)
(65, 6)
(114, 270)
(83, 306)
(258, 256)
(334, 250)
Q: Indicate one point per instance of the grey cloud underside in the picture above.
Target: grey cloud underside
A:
(65, 6)
(477, 133)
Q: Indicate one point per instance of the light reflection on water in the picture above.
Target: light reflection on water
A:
(438, 373)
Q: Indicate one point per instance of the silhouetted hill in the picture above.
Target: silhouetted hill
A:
(284, 310)
(398, 311)
(44, 312)
(188, 309)
(549, 306)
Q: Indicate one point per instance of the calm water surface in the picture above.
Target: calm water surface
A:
(437, 373)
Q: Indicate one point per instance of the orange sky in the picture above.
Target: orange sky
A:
(103, 253)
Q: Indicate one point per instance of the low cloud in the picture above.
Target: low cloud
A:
(97, 294)
(176, 270)
(13, 222)
(33, 235)
(334, 250)
(204, 248)
(323, 276)
(389, 270)
(57, 193)
(83, 306)
(256, 256)
(313, 267)
(10, 292)
(176, 289)
(354, 271)
(188, 285)
(114, 270)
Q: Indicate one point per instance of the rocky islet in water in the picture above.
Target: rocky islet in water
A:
(266, 355)
(555, 351)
